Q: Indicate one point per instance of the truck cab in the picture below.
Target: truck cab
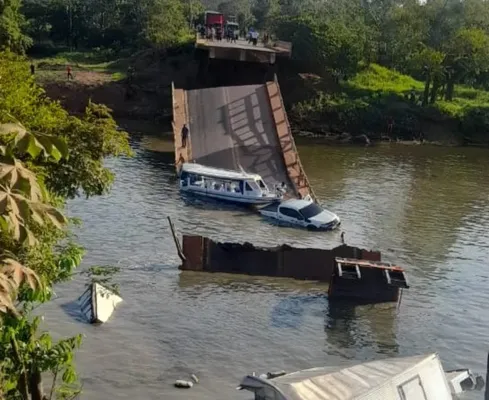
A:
(214, 19)
(232, 29)
(303, 213)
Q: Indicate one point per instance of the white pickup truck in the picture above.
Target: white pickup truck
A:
(304, 213)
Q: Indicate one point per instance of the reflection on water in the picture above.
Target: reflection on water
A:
(356, 329)
(425, 208)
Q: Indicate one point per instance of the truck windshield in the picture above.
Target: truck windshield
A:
(311, 210)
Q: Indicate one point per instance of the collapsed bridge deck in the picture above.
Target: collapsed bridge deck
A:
(239, 126)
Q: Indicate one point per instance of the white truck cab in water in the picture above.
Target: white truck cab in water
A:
(304, 213)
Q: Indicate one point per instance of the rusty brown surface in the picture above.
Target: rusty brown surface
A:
(371, 255)
(180, 117)
(290, 154)
(194, 251)
(280, 261)
(372, 288)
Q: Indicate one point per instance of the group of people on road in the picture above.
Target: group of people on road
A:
(217, 32)
(253, 36)
(210, 32)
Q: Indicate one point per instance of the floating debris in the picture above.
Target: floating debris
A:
(98, 303)
(352, 273)
(181, 384)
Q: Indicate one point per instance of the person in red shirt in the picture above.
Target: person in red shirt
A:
(68, 72)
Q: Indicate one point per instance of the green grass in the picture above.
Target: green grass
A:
(375, 78)
(380, 81)
(363, 103)
(97, 61)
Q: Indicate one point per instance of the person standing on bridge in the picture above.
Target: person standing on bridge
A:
(254, 37)
(184, 135)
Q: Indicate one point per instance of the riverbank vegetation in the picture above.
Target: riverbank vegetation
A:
(420, 64)
(46, 158)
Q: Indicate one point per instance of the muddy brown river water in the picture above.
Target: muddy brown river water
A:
(425, 208)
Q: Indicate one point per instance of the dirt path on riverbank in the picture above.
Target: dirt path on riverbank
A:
(146, 95)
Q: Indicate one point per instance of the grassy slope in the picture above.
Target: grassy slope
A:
(54, 68)
(364, 103)
(378, 79)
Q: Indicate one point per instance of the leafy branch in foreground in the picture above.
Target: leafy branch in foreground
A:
(103, 275)
(46, 157)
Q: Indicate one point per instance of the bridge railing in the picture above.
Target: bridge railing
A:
(302, 174)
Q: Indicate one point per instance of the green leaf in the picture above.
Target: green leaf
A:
(3, 224)
(61, 146)
(56, 154)
(30, 145)
(56, 217)
(69, 376)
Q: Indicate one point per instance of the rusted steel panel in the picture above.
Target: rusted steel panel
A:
(371, 255)
(194, 251)
(242, 259)
(289, 151)
(366, 280)
(308, 264)
(371, 286)
(346, 251)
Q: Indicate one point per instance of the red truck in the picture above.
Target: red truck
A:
(214, 18)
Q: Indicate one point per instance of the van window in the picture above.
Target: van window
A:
(412, 389)
(289, 212)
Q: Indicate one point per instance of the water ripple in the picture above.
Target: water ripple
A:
(425, 208)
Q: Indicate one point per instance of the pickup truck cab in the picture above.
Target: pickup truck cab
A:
(303, 213)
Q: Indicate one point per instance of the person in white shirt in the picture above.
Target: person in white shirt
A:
(254, 37)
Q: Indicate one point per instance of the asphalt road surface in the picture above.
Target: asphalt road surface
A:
(233, 127)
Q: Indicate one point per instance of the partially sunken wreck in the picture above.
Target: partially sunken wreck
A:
(351, 272)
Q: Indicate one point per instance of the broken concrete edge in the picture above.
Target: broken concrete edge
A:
(97, 303)
(273, 89)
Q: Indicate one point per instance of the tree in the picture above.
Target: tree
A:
(241, 9)
(12, 23)
(467, 58)
(37, 138)
(325, 45)
(165, 23)
(265, 12)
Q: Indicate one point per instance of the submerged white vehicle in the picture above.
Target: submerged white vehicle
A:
(404, 378)
(304, 213)
(221, 184)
